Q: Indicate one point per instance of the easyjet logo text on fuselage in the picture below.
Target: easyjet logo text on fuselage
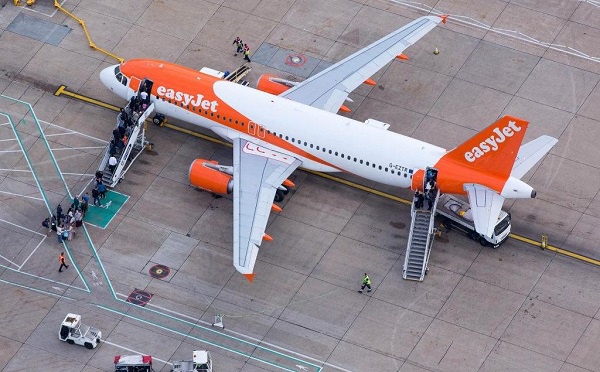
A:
(492, 143)
(187, 99)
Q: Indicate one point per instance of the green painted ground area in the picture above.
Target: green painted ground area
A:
(102, 215)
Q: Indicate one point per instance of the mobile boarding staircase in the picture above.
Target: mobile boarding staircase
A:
(131, 151)
(420, 240)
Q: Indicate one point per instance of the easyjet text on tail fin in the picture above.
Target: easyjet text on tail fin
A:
(494, 149)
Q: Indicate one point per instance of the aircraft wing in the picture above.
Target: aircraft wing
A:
(530, 153)
(329, 89)
(257, 173)
(486, 205)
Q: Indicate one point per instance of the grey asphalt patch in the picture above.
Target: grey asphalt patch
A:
(38, 29)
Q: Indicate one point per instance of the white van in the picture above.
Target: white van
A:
(456, 214)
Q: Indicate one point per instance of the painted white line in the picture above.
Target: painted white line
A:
(14, 170)
(32, 252)
(9, 139)
(36, 290)
(78, 174)
(44, 14)
(510, 33)
(135, 352)
(21, 227)
(8, 151)
(6, 259)
(73, 131)
(242, 335)
(77, 148)
(44, 278)
(22, 196)
(86, 186)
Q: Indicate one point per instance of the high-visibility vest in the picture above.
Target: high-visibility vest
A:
(367, 280)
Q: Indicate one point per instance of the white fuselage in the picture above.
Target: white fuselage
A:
(339, 143)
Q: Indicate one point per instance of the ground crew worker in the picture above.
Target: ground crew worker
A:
(247, 53)
(366, 282)
(239, 44)
(61, 259)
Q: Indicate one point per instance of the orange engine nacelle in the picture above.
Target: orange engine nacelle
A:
(210, 179)
(272, 84)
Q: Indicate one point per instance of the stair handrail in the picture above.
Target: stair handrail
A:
(430, 234)
(117, 174)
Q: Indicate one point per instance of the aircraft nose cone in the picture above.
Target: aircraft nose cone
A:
(107, 77)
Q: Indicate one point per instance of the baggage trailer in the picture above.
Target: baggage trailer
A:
(457, 214)
(133, 363)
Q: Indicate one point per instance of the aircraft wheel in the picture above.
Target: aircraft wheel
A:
(71, 342)
(279, 196)
(474, 236)
(88, 345)
(483, 242)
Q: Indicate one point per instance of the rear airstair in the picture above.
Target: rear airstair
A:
(129, 153)
(420, 240)
(236, 75)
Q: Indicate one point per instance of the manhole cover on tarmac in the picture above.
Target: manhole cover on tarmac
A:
(139, 297)
(159, 271)
(295, 60)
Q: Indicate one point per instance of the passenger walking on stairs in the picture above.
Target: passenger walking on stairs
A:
(112, 163)
(61, 259)
(366, 282)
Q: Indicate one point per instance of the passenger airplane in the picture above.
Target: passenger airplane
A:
(281, 126)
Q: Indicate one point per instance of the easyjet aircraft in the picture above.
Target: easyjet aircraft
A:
(282, 125)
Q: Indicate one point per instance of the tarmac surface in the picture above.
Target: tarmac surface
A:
(514, 308)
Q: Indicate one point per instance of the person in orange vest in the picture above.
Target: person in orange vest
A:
(61, 259)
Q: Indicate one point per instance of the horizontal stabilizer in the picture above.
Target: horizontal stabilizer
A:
(530, 153)
(486, 205)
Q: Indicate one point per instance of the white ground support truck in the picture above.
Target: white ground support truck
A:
(73, 332)
(457, 214)
(201, 362)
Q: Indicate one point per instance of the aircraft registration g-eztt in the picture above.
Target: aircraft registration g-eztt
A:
(281, 125)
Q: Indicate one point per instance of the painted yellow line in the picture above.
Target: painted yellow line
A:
(87, 34)
(62, 90)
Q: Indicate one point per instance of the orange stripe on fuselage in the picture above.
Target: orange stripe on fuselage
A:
(191, 84)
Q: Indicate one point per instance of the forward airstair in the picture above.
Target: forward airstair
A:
(420, 239)
(136, 143)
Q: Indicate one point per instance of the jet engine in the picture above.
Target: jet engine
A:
(273, 85)
(210, 176)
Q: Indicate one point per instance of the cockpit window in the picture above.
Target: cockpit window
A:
(120, 77)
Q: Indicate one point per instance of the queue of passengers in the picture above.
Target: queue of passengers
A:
(65, 224)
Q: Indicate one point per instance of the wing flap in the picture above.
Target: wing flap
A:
(329, 89)
(257, 173)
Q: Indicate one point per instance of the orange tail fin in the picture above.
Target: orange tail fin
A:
(486, 158)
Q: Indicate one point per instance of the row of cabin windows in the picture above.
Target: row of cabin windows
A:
(193, 108)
